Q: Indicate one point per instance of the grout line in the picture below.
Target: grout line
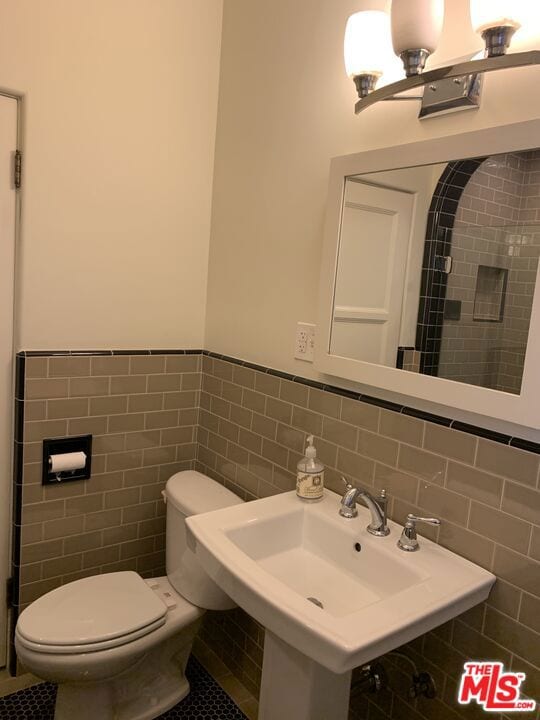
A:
(476, 448)
(467, 525)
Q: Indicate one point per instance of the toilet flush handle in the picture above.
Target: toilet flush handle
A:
(164, 496)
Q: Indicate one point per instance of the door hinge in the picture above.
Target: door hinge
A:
(9, 592)
(17, 170)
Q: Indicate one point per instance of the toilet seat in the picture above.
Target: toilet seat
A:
(91, 614)
(88, 647)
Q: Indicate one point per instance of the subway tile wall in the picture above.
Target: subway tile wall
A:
(142, 411)
(252, 431)
(152, 415)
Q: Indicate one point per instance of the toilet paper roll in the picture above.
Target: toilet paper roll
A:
(67, 461)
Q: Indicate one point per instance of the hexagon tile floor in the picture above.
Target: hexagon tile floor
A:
(206, 701)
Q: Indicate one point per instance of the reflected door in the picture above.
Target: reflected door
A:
(374, 246)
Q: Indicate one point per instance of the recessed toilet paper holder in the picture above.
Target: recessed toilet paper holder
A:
(66, 459)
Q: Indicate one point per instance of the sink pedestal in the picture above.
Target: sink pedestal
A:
(297, 688)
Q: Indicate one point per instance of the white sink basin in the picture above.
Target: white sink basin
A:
(271, 555)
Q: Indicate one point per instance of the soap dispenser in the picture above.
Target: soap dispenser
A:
(310, 475)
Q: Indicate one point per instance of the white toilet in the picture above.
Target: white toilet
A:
(117, 645)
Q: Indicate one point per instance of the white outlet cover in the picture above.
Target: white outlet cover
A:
(304, 346)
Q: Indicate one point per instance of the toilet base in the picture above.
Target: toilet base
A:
(153, 685)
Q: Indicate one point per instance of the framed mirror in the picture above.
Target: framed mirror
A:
(430, 268)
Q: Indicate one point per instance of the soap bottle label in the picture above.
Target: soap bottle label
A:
(310, 485)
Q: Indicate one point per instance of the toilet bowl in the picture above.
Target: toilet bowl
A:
(116, 644)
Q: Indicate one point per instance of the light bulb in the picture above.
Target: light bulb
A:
(487, 14)
(367, 49)
(496, 21)
(416, 29)
(366, 43)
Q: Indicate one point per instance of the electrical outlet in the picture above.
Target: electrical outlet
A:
(305, 342)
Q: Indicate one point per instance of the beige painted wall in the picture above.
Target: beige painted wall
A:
(121, 114)
(286, 108)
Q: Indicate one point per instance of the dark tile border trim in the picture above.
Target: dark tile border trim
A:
(428, 417)
(438, 243)
(18, 459)
(524, 444)
(482, 432)
(77, 353)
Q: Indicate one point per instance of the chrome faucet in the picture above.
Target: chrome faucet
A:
(376, 505)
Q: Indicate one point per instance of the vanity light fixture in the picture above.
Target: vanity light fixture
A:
(414, 27)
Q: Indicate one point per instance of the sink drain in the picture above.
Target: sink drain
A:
(316, 602)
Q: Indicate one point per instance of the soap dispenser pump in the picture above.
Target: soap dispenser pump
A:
(310, 475)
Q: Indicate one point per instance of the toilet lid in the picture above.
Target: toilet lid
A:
(92, 610)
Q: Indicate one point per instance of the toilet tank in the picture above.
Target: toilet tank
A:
(190, 493)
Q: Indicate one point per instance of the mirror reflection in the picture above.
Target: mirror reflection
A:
(437, 268)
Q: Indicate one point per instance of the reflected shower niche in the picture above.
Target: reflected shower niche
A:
(490, 294)
(436, 268)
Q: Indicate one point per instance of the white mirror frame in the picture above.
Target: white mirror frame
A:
(523, 409)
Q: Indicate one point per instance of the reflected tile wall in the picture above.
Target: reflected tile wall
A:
(496, 227)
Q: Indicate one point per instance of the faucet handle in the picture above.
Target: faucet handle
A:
(382, 497)
(414, 519)
(409, 540)
(348, 501)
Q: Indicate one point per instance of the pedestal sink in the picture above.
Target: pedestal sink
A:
(330, 595)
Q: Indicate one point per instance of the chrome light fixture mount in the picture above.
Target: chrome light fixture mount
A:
(497, 39)
(449, 95)
(414, 61)
(365, 83)
(417, 24)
